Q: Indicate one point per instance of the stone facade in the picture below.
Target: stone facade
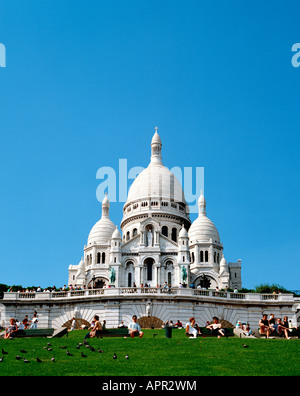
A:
(119, 304)
(158, 242)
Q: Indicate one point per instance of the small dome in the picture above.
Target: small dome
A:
(203, 229)
(116, 234)
(102, 231)
(81, 263)
(183, 233)
(223, 262)
(223, 266)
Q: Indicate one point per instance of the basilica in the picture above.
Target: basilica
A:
(157, 243)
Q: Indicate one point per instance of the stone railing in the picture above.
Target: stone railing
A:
(140, 291)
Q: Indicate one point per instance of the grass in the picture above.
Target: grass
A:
(153, 356)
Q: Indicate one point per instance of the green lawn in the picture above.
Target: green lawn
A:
(155, 356)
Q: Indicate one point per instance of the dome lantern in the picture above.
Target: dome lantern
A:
(156, 148)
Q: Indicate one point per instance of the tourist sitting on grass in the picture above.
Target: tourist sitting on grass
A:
(134, 328)
(248, 331)
(11, 329)
(25, 322)
(178, 324)
(239, 325)
(272, 324)
(191, 328)
(97, 327)
(283, 329)
(216, 328)
(264, 327)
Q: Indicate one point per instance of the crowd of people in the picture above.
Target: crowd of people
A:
(215, 327)
(16, 325)
(244, 327)
(164, 288)
(269, 327)
(272, 326)
(193, 330)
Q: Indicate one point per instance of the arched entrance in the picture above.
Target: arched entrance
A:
(148, 322)
(78, 323)
(205, 282)
(225, 324)
(97, 283)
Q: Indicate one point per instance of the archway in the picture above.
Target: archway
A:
(78, 323)
(225, 324)
(205, 282)
(97, 283)
(149, 322)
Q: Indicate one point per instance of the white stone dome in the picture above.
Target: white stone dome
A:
(116, 234)
(81, 263)
(156, 181)
(203, 229)
(102, 231)
(183, 233)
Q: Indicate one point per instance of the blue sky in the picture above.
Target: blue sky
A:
(86, 82)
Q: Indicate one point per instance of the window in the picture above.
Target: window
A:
(215, 257)
(129, 279)
(201, 256)
(127, 236)
(174, 234)
(103, 258)
(206, 256)
(164, 231)
(169, 278)
(149, 268)
(98, 258)
(115, 259)
(134, 232)
(193, 257)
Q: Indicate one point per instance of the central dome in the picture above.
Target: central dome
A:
(156, 181)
